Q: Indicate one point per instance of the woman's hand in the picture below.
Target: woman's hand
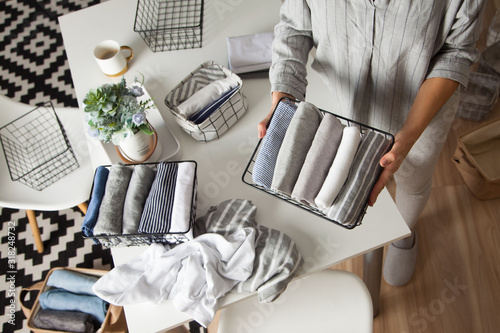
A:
(276, 96)
(391, 162)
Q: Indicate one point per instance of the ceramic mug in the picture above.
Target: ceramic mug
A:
(111, 58)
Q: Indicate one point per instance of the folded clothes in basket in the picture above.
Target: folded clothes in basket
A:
(204, 97)
(74, 282)
(200, 116)
(65, 321)
(169, 203)
(100, 179)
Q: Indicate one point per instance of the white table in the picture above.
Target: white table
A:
(221, 163)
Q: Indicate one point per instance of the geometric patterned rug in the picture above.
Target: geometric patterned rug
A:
(64, 247)
(34, 69)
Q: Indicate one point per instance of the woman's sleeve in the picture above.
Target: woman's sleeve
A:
(292, 43)
(459, 50)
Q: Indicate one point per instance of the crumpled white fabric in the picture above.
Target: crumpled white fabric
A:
(193, 275)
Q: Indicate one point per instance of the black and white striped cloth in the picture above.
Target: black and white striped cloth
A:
(276, 256)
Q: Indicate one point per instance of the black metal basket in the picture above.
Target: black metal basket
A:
(138, 239)
(247, 174)
(167, 25)
(36, 148)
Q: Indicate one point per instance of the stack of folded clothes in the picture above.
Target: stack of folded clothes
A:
(250, 53)
(311, 157)
(70, 305)
(131, 200)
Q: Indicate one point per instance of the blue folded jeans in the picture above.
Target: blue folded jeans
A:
(74, 282)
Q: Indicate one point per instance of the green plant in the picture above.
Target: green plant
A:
(114, 111)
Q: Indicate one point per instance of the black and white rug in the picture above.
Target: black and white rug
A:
(34, 69)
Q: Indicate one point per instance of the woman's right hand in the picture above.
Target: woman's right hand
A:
(275, 98)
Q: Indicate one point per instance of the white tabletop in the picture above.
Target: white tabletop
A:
(221, 163)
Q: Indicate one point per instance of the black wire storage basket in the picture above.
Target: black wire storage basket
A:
(138, 239)
(167, 25)
(364, 129)
(36, 148)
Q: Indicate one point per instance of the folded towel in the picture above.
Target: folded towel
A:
(183, 197)
(263, 169)
(250, 52)
(109, 221)
(276, 256)
(296, 143)
(339, 170)
(65, 321)
(206, 96)
(352, 199)
(60, 299)
(72, 281)
(90, 219)
(157, 213)
(193, 275)
(135, 198)
(201, 116)
(318, 160)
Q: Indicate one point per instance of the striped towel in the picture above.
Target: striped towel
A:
(352, 199)
(169, 203)
(276, 256)
(263, 169)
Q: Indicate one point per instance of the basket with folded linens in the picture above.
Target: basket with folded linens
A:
(141, 204)
(318, 161)
(207, 102)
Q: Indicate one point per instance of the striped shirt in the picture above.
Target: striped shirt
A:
(374, 56)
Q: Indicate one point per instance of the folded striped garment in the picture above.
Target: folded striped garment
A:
(169, 204)
(263, 169)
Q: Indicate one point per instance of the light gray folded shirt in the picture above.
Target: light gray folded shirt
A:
(318, 160)
(350, 202)
(137, 193)
(296, 143)
(109, 221)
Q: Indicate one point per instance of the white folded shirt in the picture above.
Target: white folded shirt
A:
(206, 96)
(250, 52)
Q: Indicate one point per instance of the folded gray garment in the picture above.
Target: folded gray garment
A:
(276, 256)
(109, 221)
(65, 321)
(295, 146)
(137, 193)
(352, 199)
(318, 160)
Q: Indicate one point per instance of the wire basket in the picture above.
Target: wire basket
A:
(222, 116)
(36, 148)
(167, 25)
(138, 239)
(247, 174)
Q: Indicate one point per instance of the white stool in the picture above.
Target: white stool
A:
(327, 301)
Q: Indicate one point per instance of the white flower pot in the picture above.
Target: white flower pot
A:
(137, 148)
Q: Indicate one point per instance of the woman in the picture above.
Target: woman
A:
(393, 65)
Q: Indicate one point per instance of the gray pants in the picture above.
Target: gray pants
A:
(414, 177)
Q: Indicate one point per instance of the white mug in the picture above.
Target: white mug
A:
(111, 59)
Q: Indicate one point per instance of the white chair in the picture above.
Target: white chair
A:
(69, 191)
(324, 302)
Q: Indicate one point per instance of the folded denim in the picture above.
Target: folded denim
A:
(135, 198)
(109, 221)
(60, 299)
(65, 321)
(263, 169)
(339, 170)
(352, 199)
(90, 219)
(72, 281)
(202, 115)
(318, 160)
(293, 151)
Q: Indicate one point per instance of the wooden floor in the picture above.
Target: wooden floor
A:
(456, 286)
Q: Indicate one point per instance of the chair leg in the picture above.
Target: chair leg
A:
(35, 230)
(83, 207)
